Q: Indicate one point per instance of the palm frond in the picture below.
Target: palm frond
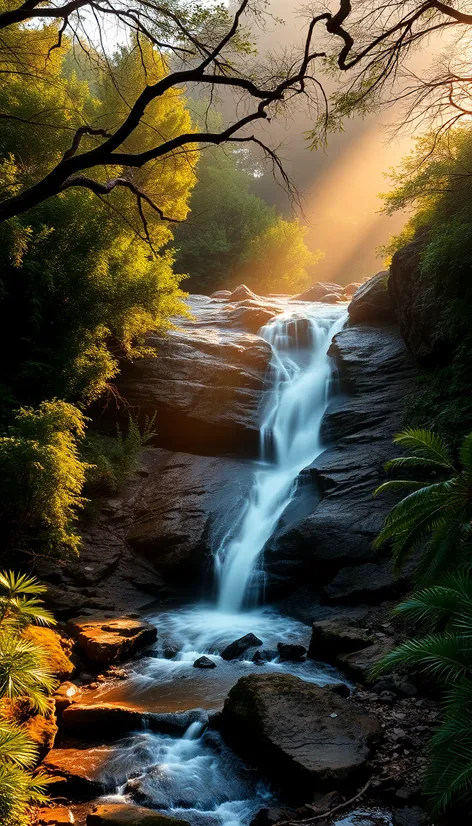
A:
(24, 671)
(15, 745)
(398, 484)
(15, 584)
(445, 657)
(465, 454)
(427, 445)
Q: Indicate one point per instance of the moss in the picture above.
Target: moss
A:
(54, 645)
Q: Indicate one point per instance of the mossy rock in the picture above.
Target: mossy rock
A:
(50, 641)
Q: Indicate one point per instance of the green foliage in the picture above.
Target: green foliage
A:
(278, 260)
(445, 656)
(224, 217)
(79, 283)
(24, 673)
(434, 516)
(112, 461)
(434, 183)
(41, 478)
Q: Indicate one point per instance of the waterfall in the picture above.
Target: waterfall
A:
(290, 439)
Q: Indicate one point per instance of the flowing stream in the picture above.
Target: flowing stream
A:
(192, 774)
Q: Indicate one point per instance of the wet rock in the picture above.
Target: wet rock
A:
(205, 386)
(79, 772)
(336, 635)
(101, 719)
(359, 664)
(253, 314)
(371, 302)
(318, 291)
(239, 647)
(221, 294)
(303, 737)
(242, 292)
(290, 652)
(371, 582)
(178, 541)
(104, 641)
(124, 814)
(331, 298)
(409, 817)
(65, 695)
(265, 655)
(42, 730)
(204, 662)
(55, 816)
(341, 689)
(170, 651)
(64, 602)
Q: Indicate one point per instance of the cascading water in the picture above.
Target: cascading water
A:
(290, 441)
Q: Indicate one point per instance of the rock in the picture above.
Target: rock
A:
(253, 314)
(265, 655)
(242, 292)
(290, 652)
(80, 773)
(409, 817)
(124, 814)
(318, 291)
(178, 542)
(42, 731)
(371, 582)
(371, 302)
(50, 641)
(351, 288)
(331, 298)
(205, 386)
(271, 815)
(304, 738)
(336, 635)
(221, 294)
(204, 662)
(104, 641)
(359, 664)
(65, 695)
(101, 719)
(64, 602)
(341, 689)
(239, 647)
(55, 816)
(417, 307)
(324, 803)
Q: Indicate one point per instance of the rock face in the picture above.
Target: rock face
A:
(318, 291)
(104, 641)
(371, 302)
(304, 737)
(123, 814)
(415, 304)
(178, 540)
(378, 373)
(253, 314)
(336, 635)
(204, 387)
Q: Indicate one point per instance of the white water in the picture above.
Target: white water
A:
(290, 440)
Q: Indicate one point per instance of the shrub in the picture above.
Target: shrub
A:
(41, 477)
(111, 461)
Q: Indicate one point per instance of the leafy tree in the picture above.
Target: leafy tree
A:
(435, 516)
(445, 655)
(225, 216)
(278, 260)
(41, 478)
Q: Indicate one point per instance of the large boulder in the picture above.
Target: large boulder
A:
(358, 665)
(239, 647)
(204, 386)
(124, 814)
(417, 307)
(242, 292)
(335, 635)
(331, 298)
(351, 288)
(318, 291)
(303, 737)
(371, 302)
(104, 641)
